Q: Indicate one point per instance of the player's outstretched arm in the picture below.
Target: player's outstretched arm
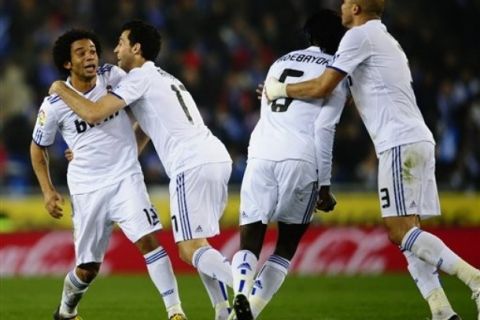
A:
(92, 112)
(52, 199)
(316, 88)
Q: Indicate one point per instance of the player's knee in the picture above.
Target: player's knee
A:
(186, 249)
(285, 251)
(88, 271)
(147, 243)
(395, 235)
(185, 254)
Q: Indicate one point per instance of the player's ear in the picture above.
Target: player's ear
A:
(137, 48)
(356, 9)
(67, 65)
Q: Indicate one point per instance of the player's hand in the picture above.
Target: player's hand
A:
(326, 200)
(68, 154)
(54, 204)
(275, 89)
(259, 91)
(56, 86)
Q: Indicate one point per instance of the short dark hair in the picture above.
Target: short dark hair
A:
(62, 47)
(145, 34)
(325, 29)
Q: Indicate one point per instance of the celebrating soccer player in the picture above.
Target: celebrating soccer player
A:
(104, 178)
(381, 88)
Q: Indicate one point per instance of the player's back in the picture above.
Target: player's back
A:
(381, 85)
(169, 116)
(286, 126)
(104, 152)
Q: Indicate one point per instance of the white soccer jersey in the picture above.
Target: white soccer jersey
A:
(168, 114)
(286, 126)
(381, 86)
(104, 153)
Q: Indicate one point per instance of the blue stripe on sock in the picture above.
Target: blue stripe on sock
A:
(280, 261)
(241, 286)
(75, 282)
(156, 256)
(412, 238)
(199, 254)
(223, 290)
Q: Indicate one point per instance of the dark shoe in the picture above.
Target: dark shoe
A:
(242, 308)
(57, 316)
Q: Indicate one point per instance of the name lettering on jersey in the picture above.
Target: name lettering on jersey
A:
(82, 125)
(304, 58)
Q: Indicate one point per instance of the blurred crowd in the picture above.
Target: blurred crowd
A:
(221, 50)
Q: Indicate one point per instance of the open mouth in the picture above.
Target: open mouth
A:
(90, 68)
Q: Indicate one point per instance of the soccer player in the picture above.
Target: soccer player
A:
(380, 83)
(197, 163)
(281, 181)
(105, 179)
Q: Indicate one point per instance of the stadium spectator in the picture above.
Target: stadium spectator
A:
(105, 179)
(196, 161)
(380, 82)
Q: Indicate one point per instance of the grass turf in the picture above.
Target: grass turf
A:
(322, 298)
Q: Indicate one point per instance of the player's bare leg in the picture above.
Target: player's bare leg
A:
(429, 248)
(160, 270)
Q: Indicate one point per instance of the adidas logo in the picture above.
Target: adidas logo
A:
(199, 229)
(244, 215)
(245, 265)
(412, 205)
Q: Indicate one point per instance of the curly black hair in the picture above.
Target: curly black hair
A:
(325, 29)
(62, 47)
(145, 34)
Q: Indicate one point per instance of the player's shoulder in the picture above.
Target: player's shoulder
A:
(107, 67)
(52, 101)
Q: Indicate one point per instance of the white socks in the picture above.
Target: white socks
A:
(267, 282)
(211, 262)
(161, 272)
(244, 266)
(73, 290)
(431, 249)
(217, 291)
(424, 274)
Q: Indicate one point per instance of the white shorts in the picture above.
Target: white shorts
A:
(95, 213)
(283, 191)
(198, 198)
(406, 181)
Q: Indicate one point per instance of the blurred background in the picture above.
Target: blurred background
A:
(221, 51)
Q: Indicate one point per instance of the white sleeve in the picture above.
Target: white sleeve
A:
(352, 50)
(115, 75)
(325, 126)
(46, 125)
(132, 87)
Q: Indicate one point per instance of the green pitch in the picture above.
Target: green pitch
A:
(320, 298)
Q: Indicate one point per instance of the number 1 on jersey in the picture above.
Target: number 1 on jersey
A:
(181, 101)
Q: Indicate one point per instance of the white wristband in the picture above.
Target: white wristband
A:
(275, 89)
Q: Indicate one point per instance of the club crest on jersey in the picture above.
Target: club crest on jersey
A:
(41, 118)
